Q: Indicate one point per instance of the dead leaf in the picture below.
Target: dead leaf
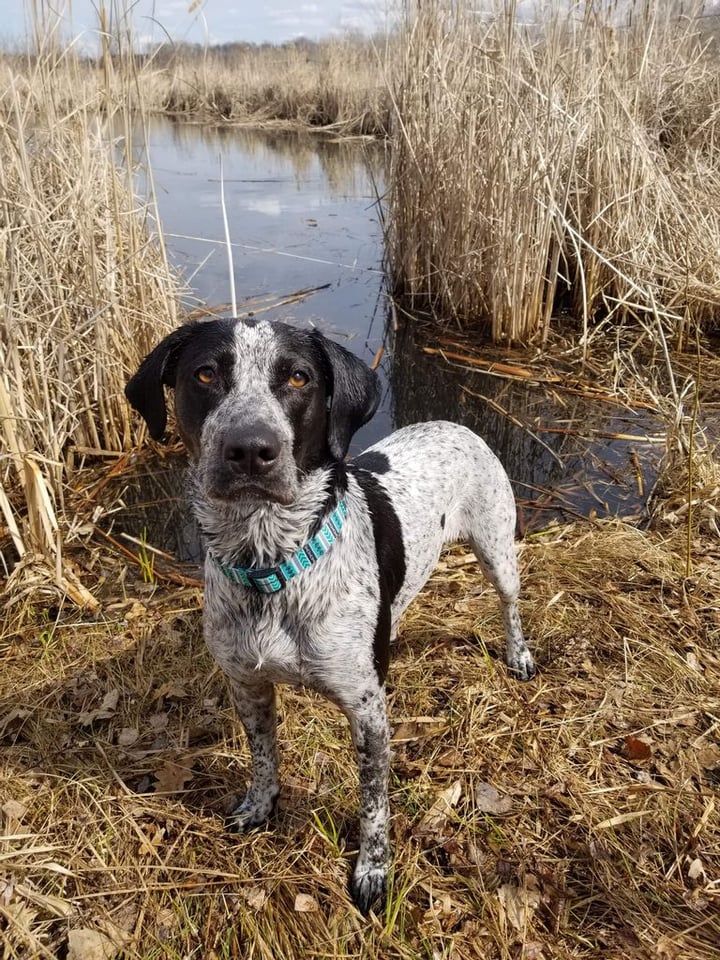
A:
(490, 800)
(14, 810)
(437, 816)
(127, 736)
(692, 661)
(172, 777)
(304, 903)
(696, 871)
(86, 944)
(665, 949)
(171, 691)
(167, 922)
(104, 711)
(255, 897)
(635, 748)
(519, 903)
(158, 721)
(418, 728)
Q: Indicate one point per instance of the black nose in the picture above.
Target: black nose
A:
(251, 450)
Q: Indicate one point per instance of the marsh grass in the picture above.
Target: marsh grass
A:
(340, 84)
(571, 163)
(86, 290)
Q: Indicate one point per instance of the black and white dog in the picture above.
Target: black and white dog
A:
(310, 560)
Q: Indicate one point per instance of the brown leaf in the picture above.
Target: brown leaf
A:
(634, 748)
(519, 903)
(255, 897)
(14, 810)
(104, 711)
(304, 903)
(86, 944)
(696, 871)
(666, 949)
(418, 728)
(436, 817)
(127, 736)
(171, 777)
(171, 691)
(490, 800)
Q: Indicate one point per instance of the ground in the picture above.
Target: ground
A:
(571, 816)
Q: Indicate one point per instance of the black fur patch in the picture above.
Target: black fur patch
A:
(442, 521)
(390, 552)
(377, 463)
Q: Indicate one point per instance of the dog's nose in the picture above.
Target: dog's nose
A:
(253, 450)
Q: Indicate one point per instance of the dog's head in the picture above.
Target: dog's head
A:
(257, 404)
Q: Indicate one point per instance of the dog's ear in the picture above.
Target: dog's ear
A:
(354, 391)
(145, 389)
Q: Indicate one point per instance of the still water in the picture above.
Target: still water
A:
(303, 214)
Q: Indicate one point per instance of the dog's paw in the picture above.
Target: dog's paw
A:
(250, 814)
(368, 887)
(521, 665)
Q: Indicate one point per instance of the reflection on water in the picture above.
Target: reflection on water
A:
(541, 436)
(302, 214)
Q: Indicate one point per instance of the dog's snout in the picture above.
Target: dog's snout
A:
(252, 450)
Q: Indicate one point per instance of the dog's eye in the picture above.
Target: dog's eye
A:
(298, 379)
(205, 375)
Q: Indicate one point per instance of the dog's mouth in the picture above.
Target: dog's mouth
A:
(252, 492)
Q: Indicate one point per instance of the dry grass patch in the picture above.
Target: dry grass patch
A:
(573, 816)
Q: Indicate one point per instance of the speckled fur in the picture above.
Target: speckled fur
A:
(442, 483)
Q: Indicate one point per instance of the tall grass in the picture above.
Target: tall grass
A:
(338, 83)
(569, 163)
(86, 290)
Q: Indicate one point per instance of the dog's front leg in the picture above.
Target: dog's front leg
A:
(371, 736)
(255, 704)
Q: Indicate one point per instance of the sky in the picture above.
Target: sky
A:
(221, 21)
(216, 21)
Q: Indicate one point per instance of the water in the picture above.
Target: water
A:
(302, 213)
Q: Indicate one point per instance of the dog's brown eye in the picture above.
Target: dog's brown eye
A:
(297, 379)
(205, 375)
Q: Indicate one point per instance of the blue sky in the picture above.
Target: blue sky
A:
(216, 20)
(219, 21)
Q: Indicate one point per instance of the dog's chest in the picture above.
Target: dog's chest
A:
(279, 638)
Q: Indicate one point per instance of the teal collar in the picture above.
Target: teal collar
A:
(273, 579)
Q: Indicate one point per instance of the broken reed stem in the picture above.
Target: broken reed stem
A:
(228, 244)
(691, 458)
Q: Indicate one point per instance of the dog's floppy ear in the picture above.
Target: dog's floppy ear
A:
(145, 389)
(354, 391)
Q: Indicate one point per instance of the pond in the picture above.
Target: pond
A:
(303, 216)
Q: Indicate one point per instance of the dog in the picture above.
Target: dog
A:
(312, 560)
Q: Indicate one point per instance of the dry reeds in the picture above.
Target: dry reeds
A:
(86, 289)
(572, 162)
(339, 84)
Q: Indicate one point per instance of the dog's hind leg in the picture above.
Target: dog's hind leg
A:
(494, 546)
(255, 704)
(371, 737)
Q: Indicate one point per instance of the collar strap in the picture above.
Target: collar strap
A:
(273, 579)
